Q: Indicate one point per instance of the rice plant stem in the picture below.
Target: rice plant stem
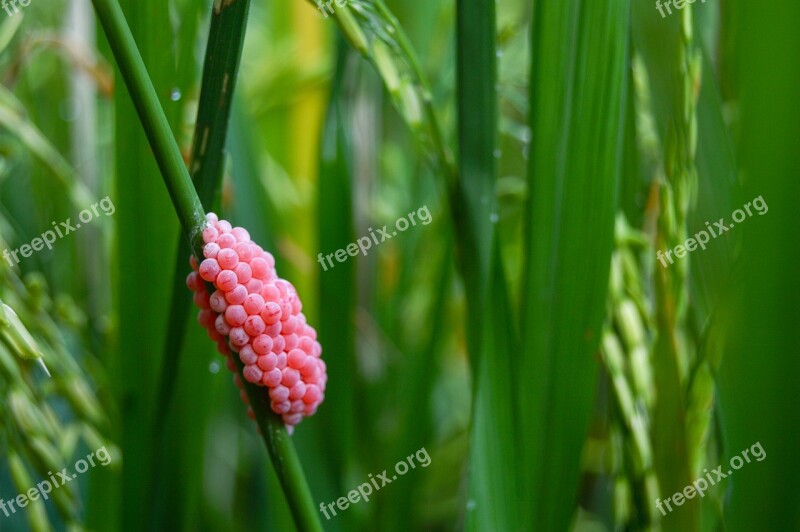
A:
(445, 159)
(166, 151)
(192, 217)
(220, 71)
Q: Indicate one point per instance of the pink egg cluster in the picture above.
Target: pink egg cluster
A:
(260, 314)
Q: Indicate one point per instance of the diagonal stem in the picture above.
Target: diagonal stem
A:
(192, 217)
(220, 72)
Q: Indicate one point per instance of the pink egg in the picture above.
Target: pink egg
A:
(297, 406)
(262, 344)
(226, 241)
(254, 286)
(237, 295)
(314, 377)
(279, 393)
(297, 391)
(210, 251)
(312, 394)
(271, 293)
(289, 326)
(243, 272)
(278, 344)
(292, 419)
(272, 378)
(222, 325)
(259, 267)
(286, 310)
(227, 258)
(273, 330)
(217, 301)
(244, 251)
(290, 377)
(201, 299)
(281, 408)
(241, 234)
(252, 374)
(296, 359)
(271, 313)
(209, 270)
(194, 282)
(235, 315)
(305, 343)
(309, 368)
(226, 280)
(254, 325)
(268, 362)
(248, 356)
(210, 234)
(239, 337)
(253, 304)
(290, 341)
(207, 317)
(283, 287)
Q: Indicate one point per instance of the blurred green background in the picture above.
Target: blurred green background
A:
(527, 338)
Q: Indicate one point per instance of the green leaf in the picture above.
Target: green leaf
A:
(337, 282)
(578, 92)
(494, 484)
(146, 227)
(759, 372)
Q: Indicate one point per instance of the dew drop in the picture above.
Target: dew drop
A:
(175, 95)
(214, 367)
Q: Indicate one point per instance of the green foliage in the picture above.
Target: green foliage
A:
(527, 336)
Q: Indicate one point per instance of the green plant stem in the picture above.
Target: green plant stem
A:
(351, 30)
(445, 159)
(220, 72)
(284, 457)
(192, 217)
(166, 151)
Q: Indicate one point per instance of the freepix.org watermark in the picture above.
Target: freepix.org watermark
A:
(364, 491)
(44, 488)
(339, 3)
(699, 486)
(59, 230)
(678, 4)
(704, 237)
(8, 5)
(365, 242)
